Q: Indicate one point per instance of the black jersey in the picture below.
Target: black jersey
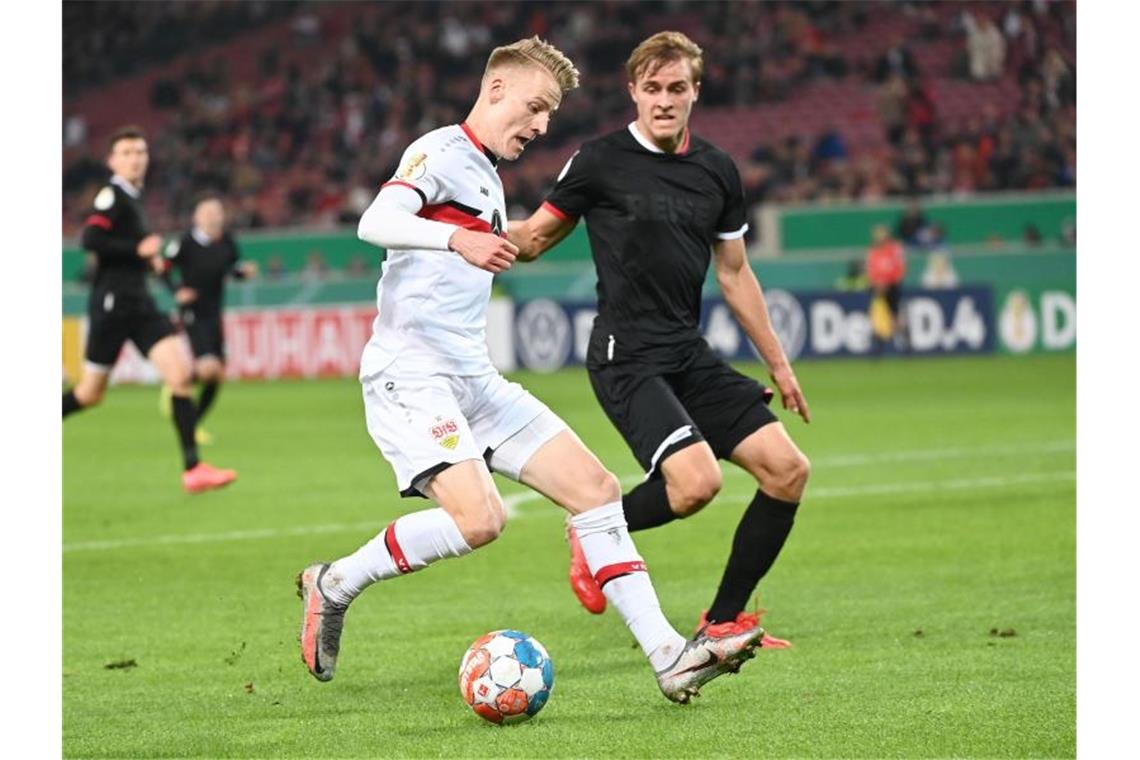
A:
(112, 231)
(651, 218)
(203, 265)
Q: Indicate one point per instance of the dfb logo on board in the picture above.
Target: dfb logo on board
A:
(788, 320)
(543, 332)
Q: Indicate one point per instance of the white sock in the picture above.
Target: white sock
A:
(410, 543)
(620, 571)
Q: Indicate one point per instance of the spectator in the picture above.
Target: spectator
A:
(854, 280)
(316, 268)
(295, 140)
(913, 225)
(1032, 236)
(896, 60)
(986, 47)
(830, 146)
(357, 267)
(274, 268)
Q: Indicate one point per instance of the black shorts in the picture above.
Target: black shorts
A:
(113, 319)
(205, 334)
(893, 294)
(661, 413)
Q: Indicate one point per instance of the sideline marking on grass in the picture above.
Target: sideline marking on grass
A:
(513, 501)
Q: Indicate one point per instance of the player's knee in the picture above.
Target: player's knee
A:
(600, 487)
(791, 478)
(88, 396)
(694, 492)
(210, 372)
(484, 525)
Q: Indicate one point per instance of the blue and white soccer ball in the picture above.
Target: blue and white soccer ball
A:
(506, 676)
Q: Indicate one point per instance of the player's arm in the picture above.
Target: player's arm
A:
(541, 232)
(573, 195)
(182, 294)
(391, 222)
(240, 269)
(746, 299)
(101, 236)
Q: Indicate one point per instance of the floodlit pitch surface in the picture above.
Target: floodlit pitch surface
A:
(929, 584)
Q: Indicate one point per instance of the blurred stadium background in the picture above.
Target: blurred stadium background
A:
(954, 124)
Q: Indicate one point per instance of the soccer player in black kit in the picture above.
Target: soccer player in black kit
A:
(202, 260)
(657, 200)
(121, 308)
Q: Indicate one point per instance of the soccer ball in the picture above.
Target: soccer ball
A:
(506, 676)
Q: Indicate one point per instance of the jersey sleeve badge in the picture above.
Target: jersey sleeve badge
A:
(416, 168)
(105, 199)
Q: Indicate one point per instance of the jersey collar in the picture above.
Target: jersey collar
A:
(475, 140)
(128, 188)
(650, 146)
(200, 237)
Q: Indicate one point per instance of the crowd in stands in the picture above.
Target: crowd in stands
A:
(307, 137)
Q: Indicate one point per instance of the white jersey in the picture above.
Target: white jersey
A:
(432, 305)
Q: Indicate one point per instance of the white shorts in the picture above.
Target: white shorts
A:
(424, 423)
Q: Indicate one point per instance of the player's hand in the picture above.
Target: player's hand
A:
(249, 269)
(149, 246)
(790, 393)
(183, 296)
(484, 250)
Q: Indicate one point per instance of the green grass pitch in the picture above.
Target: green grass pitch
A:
(928, 587)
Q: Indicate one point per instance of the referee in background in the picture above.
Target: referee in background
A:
(120, 307)
(200, 264)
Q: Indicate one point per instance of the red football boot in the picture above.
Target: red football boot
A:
(204, 477)
(582, 581)
(744, 621)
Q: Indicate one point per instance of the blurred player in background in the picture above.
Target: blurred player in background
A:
(120, 307)
(656, 200)
(444, 417)
(199, 265)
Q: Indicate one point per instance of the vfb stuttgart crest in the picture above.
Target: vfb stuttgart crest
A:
(446, 434)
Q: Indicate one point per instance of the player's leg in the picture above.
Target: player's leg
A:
(682, 474)
(781, 471)
(689, 479)
(470, 514)
(106, 334)
(174, 368)
(209, 372)
(156, 338)
(732, 410)
(565, 471)
(208, 346)
(89, 390)
(420, 429)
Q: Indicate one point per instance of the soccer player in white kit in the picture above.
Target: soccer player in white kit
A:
(443, 416)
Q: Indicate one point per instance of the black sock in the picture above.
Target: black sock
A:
(757, 543)
(185, 420)
(647, 506)
(206, 397)
(70, 403)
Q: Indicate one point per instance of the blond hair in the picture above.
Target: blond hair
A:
(663, 48)
(535, 52)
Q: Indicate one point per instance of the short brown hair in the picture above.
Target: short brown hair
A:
(129, 132)
(535, 52)
(663, 48)
(206, 195)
